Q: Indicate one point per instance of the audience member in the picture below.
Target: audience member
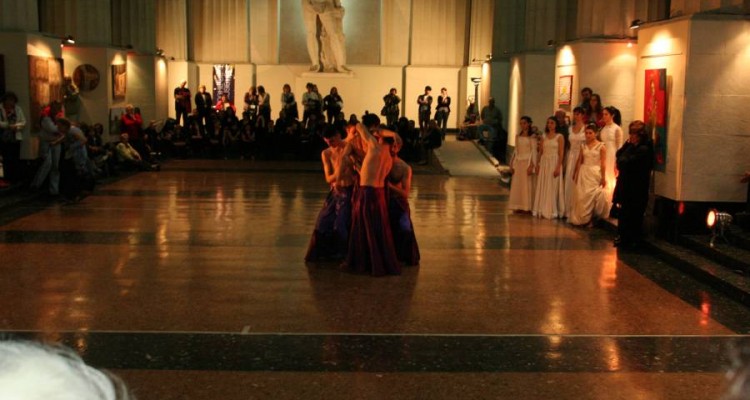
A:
(288, 104)
(49, 150)
(491, 121)
(390, 107)
(204, 108)
(129, 158)
(634, 162)
(12, 124)
(182, 106)
(332, 105)
(443, 110)
(424, 103)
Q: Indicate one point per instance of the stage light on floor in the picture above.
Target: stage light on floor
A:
(719, 223)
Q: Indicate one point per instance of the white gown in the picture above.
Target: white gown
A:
(576, 139)
(589, 198)
(522, 186)
(611, 136)
(549, 198)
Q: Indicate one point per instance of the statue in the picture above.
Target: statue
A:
(330, 53)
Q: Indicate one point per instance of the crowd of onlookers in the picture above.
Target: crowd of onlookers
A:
(211, 129)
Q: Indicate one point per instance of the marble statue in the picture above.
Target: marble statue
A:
(328, 50)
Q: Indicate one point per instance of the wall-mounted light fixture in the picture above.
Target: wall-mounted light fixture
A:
(551, 43)
(160, 52)
(67, 40)
(636, 24)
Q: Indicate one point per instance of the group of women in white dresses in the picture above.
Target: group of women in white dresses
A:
(573, 180)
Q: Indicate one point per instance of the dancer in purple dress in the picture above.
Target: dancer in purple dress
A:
(330, 238)
(399, 185)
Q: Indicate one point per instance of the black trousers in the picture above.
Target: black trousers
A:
(630, 225)
(182, 111)
(11, 153)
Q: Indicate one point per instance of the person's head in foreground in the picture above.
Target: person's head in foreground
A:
(32, 371)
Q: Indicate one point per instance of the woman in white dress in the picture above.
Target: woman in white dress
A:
(589, 199)
(523, 167)
(549, 198)
(612, 137)
(576, 137)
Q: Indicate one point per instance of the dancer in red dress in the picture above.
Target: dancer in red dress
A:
(371, 248)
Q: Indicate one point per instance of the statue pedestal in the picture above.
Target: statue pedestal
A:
(327, 75)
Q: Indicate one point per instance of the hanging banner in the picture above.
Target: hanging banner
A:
(655, 114)
(224, 81)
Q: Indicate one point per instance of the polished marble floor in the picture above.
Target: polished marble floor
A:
(190, 284)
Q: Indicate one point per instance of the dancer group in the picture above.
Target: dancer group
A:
(365, 220)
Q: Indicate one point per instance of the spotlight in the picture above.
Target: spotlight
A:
(160, 52)
(718, 222)
(69, 40)
(551, 43)
(636, 24)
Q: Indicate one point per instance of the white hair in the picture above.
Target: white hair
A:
(31, 371)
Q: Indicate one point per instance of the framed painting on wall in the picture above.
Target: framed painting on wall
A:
(655, 114)
(45, 85)
(565, 86)
(119, 81)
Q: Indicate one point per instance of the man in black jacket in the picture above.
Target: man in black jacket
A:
(635, 160)
(204, 104)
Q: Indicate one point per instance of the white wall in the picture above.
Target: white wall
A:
(436, 77)
(708, 90)
(716, 127)
(531, 90)
(608, 68)
(665, 46)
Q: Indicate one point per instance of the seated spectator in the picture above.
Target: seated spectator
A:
(131, 123)
(432, 139)
(99, 155)
(129, 158)
(224, 104)
(247, 144)
(468, 131)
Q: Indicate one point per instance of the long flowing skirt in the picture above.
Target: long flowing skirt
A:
(371, 248)
(521, 188)
(569, 184)
(330, 238)
(549, 198)
(404, 239)
(589, 198)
